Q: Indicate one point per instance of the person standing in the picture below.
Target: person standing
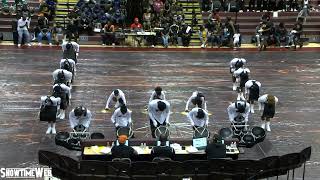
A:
(268, 102)
(49, 109)
(242, 76)
(64, 93)
(238, 112)
(252, 90)
(121, 117)
(157, 94)
(198, 117)
(235, 64)
(198, 100)
(118, 97)
(80, 116)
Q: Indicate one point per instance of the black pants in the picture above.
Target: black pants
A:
(108, 39)
(153, 128)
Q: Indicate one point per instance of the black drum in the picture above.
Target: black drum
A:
(74, 144)
(248, 140)
(239, 119)
(162, 130)
(62, 138)
(226, 133)
(97, 135)
(200, 132)
(258, 133)
(125, 131)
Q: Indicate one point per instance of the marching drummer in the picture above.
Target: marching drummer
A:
(80, 116)
(62, 76)
(235, 64)
(118, 97)
(198, 117)
(70, 50)
(49, 109)
(64, 93)
(69, 65)
(198, 100)
(157, 94)
(269, 108)
(252, 90)
(239, 112)
(242, 76)
(121, 117)
(159, 114)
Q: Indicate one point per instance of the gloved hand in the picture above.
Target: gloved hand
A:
(187, 110)
(116, 124)
(107, 109)
(155, 124)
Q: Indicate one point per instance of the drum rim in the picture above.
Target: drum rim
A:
(204, 129)
(248, 134)
(264, 132)
(158, 129)
(62, 133)
(130, 132)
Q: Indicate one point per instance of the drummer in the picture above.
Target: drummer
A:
(198, 117)
(242, 76)
(239, 112)
(252, 88)
(115, 96)
(198, 100)
(157, 94)
(159, 114)
(121, 117)
(269, 108)
(80, 115)
(49, 109)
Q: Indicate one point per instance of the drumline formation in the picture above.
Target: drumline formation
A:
(54, 106)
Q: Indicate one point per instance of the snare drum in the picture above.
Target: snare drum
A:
(125, 131)
(200, 132)
(62, 138)
(96, 135)
(258, 133)
(225, 133)
(248, 140)
(162, 130)
(79, 128)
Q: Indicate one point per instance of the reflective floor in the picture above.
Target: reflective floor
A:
(25, 75)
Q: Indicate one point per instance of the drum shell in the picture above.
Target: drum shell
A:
(62, 138)
(258, 133)
(248, 140)
(125, 131)
(96, 135)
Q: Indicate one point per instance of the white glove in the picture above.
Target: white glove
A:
(155, 124)
(116, 124)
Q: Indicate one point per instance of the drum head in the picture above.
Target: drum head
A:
(79, 128)
(124, 131)
(259, 133)
(225, 133)
(62, 136)
(73, 142)
(97, 136)
(201, 132)
(248, 139)
(162, 130)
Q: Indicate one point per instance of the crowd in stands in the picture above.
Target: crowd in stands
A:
(164, 18)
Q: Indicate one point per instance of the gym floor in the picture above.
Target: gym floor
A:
(25, 75)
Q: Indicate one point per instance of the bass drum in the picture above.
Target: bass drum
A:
(162, 130)
(125, 131)
(62, 138)
(258, 133)
(248, 140)
(225, 133)
(96, 135)
(200, 132)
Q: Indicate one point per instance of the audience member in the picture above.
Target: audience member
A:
(185, 35)
(122, 150)
(108, 34)
(163, 150)
(215, 149)
(281, 35)
(23, 30)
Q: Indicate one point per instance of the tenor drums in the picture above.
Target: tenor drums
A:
(226, 133)
(162, 130)
(62, 138)
(248, 140)
(97, 135)
(79, 128)
(200, 132)
(125, 131)
(239, 119)
(258, 133)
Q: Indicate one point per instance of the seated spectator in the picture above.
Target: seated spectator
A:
(294, 37)
(163, 151)
(215, 149)
(158, 7)
(174, 32)
(73, 22)
(86, 25)
(165, 36)
(205, 5)
(57, 33)
(23, 30)
(122, 150)
(51, 8)
(108, 34)
(265, 32)
(147, 17)
(43, 30)
(215, 33)
(136, 27)
(228, 32)
(185, 35)
(118, 18)
(194, 21)
(216, 6)
(203, 34)
(281, 35)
